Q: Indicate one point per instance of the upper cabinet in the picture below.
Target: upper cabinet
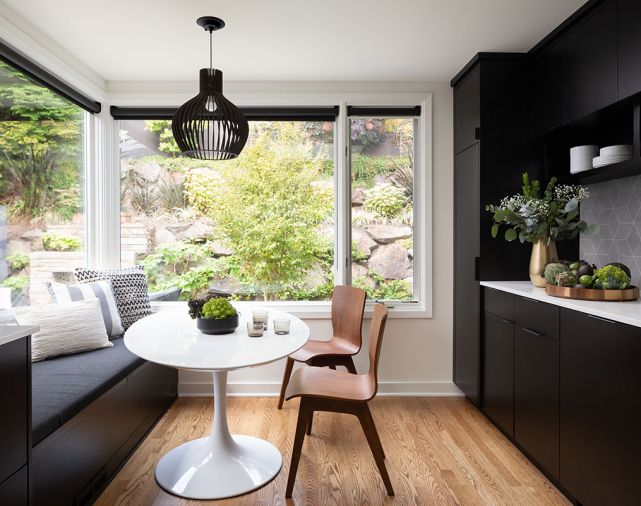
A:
(590, 56)
(547, 88)
(467, 111)
(629, 47)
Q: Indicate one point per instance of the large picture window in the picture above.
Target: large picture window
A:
(308, 204)
(258, 227)
(42, 221)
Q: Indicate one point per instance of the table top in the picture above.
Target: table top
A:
(170, 338)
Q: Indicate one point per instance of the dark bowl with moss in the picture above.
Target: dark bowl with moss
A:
(217, 326)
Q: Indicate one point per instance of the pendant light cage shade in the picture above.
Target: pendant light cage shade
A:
(210, 127)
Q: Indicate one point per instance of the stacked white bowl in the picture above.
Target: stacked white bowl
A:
(612, 154)
(581, 158)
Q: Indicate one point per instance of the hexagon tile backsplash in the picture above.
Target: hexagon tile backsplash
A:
(616, 207)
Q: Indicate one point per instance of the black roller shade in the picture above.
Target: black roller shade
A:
(251, 113)
(381, 112)
(42, 76)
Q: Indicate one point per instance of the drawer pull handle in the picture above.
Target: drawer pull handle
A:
(601, 319)
(530, 331)
(503, 320)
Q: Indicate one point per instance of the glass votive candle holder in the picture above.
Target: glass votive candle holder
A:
(254, 330)
(260, 316)
(281, 326)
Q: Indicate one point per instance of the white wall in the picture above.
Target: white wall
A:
(416, 357)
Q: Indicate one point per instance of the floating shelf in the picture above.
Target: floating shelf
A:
(614, 171)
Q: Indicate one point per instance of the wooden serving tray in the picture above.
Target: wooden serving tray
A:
(592, 294)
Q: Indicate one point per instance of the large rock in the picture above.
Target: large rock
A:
(150, 172)
(200, 230)
(164, 236)
(358, 197)
(19, 245)
(390, 261)
(386, 234)
(176, 228)
(32, 234)
(359, 271)
(220, 249)
(314, 278)
(364, 243)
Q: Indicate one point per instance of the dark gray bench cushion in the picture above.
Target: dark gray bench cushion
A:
(64, 386)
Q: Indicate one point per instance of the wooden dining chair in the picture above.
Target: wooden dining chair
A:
(348, 304)
(322, 389)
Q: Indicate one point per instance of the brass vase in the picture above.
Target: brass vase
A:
(542, 254)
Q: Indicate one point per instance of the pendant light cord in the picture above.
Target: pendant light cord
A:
(210, 52)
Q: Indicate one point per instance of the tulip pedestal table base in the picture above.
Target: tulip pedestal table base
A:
(220, 465)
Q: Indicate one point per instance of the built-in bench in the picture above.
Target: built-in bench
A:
(89, 412)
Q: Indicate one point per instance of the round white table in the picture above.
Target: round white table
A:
(220, 465)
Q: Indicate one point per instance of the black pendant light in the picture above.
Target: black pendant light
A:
(209, 126)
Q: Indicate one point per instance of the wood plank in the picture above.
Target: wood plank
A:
(438, 451)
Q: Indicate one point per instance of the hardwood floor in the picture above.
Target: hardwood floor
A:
(439, 451)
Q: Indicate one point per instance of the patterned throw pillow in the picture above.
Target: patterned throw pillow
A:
(129, 287)
(100, 290)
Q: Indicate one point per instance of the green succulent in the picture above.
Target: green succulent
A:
(218, 308)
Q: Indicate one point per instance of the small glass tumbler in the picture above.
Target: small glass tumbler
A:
(281, 327)
(254, 330)
(260, 316)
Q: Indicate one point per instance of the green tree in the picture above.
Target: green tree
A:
(40, 147)
(166, 142)
(268, 204)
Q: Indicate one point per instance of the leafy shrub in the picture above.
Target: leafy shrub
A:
(162, 127)
(60, 242)
(365, 168)
(385, 199)
(16, 283)
(392, 289)
(18, 260)
(268, 204)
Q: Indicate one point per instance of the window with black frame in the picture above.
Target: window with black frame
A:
(260, 227)
(42, 218)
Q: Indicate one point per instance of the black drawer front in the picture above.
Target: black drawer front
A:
(499, 303)
(15, 491)
(537, 316)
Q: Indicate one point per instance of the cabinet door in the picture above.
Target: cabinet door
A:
(629, 46)
(498, 371)
(600, 409)
(14, 399)
(467, 111)
(546, 89)
(15, 491)
(536, 397)
(466, 287)
(591, 52)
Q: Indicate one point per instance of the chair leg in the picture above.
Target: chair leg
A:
(349, 363)
(289, 365)
(310, 420)
(303, 415)
(367, 422)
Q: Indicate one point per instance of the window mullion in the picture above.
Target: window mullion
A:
(342, 199)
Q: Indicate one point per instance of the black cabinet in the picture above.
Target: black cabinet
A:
(486, 95)
(629, 47)
(590, 54)
(466, 287)
(600, 417)
(546, 89)
(536, 397)
(498, 371)
(467, 111)
(15, 424)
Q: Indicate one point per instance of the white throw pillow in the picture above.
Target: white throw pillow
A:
(65, 328)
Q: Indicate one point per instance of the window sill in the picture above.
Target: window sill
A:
(317, 310)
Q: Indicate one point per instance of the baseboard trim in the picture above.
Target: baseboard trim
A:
(271, 389)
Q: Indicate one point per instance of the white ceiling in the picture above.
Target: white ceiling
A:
(291, 40)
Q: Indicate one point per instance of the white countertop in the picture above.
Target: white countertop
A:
(10, 333)
(623, 312)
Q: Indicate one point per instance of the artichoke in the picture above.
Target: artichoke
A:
(552, 271)
(566, 279)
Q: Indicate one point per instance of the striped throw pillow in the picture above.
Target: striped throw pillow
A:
(100, 290)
